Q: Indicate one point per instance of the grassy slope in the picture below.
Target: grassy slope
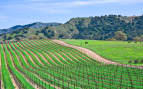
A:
(118, 51)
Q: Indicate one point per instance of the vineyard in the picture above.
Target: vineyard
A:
(44, 64)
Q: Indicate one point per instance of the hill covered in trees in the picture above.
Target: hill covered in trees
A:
(97, 28)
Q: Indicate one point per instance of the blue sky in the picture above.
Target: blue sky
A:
(19, 12)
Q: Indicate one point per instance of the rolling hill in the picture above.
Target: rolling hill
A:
(96, 28)
(36, 25)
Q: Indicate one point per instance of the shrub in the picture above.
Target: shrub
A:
(136, 61)
(142, 61)
(130, 61)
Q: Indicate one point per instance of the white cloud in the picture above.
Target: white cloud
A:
(53, 7)
(95, 2)
(45, 8)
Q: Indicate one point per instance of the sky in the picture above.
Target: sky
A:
(20, 12)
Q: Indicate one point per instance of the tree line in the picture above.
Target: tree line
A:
(121, 36)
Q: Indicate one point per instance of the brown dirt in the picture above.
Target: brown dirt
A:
(86, 51)
(93, 54)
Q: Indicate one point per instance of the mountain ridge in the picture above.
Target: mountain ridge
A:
(94, 28)
(31, 25)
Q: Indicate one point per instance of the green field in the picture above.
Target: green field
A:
(118, 51)
(43, 64)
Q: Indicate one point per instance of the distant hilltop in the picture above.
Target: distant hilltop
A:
(36, 25)
(96, 28)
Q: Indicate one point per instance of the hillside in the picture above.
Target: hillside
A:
(36, 25)
(24, 31)
(100, 28)
(97, 28)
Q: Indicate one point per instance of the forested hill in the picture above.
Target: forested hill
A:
(98, 28)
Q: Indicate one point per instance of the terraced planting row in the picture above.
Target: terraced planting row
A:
(43, 64)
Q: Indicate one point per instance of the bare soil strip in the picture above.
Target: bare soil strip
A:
(93, 54)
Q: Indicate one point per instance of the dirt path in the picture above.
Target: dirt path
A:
(86, 51)
(93, 54)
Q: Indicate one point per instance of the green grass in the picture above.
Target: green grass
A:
(119, 51)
